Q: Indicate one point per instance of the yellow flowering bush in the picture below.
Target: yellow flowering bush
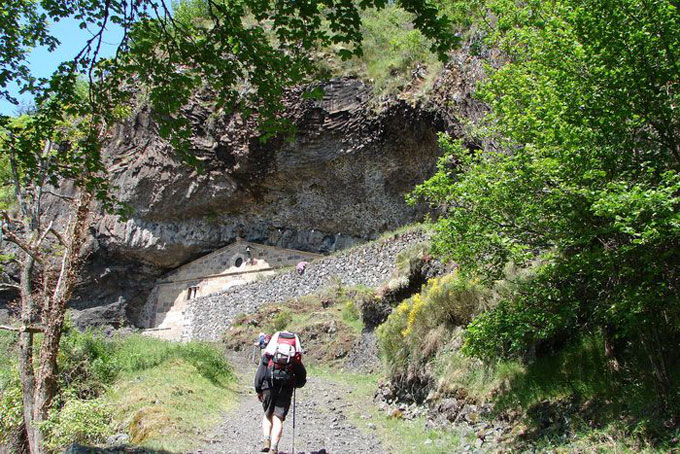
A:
(427, 318)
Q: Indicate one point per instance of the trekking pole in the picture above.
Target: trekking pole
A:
(294, 420)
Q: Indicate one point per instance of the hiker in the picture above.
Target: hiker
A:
(263, 340)
(301, 268)
(280, 371)
(259, 347)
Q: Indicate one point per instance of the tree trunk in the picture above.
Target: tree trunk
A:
(27, 378)
(46, 383)
(659, 370)
(39, 389)
(610, 351)
(26, 371)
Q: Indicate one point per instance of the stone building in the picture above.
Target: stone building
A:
(236, 264)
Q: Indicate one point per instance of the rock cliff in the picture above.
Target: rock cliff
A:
(339, 179)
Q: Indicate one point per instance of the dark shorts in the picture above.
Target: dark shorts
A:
(277, 402)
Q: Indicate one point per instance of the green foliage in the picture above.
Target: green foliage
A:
(577, 384)
(23, 26)
(89, 366)
(60, 141)
(586, 111)
(10, 389)
(422, 324)
(282, 319)
(391, 50)
(87, 422)
(246, 53)
(7, 197)
(107, 358)
(351, 315)
(11, 406)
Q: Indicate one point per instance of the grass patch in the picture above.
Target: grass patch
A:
(415, 227)
(159, 392)
(397, 435)
(565, 402)
(392, 50)
(459, 375)
(412, 437)
(7, 350)
(165, 407)
(571, 399)
(328, 323)
(351, 316)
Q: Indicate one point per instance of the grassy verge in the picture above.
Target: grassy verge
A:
(161, 394)
(565, 399)
(164, 407)
(396, 434)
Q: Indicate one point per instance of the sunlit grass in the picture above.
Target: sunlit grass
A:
(165, 407)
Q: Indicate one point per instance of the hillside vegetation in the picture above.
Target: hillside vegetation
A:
(158, 393)
(556, 215)
(581, 195)
(395, 55)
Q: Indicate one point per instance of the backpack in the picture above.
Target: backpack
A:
(280, 365)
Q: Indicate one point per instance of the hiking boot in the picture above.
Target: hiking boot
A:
(265, 445)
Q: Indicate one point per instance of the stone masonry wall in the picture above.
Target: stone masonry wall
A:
(371, 265)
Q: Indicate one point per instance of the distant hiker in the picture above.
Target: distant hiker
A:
(301, 268)
(259, 346)
(263, 340)
(279, 373)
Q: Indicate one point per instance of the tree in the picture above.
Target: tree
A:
(245, 54)
(586, 188)
(50, 158)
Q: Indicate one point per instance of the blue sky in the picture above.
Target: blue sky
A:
(72, 38)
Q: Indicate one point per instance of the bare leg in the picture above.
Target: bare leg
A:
(277, 430)
(266, 427)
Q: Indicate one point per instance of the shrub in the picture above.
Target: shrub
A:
(392, 49)
(350, 313)
(407, 260)
(86, 363)
(282, 320)
(423, 323)
(11, 407)
(78, 421)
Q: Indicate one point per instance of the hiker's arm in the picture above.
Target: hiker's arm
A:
(300, 375)
(259, 376)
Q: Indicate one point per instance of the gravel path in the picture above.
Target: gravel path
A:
(321, 423)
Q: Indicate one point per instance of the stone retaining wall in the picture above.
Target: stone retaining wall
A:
(371, 265)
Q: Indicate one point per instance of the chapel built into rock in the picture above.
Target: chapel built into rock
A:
(233, 265)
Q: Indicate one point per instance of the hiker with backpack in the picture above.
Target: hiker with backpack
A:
(279, 373)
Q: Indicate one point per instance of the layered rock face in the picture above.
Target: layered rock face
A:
(339, 179)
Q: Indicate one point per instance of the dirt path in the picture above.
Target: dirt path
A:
(321, 422)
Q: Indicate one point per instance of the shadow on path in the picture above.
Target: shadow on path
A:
(80, 449)
(320, 451)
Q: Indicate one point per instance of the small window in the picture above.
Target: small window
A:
(192, 292)
(239, 262)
